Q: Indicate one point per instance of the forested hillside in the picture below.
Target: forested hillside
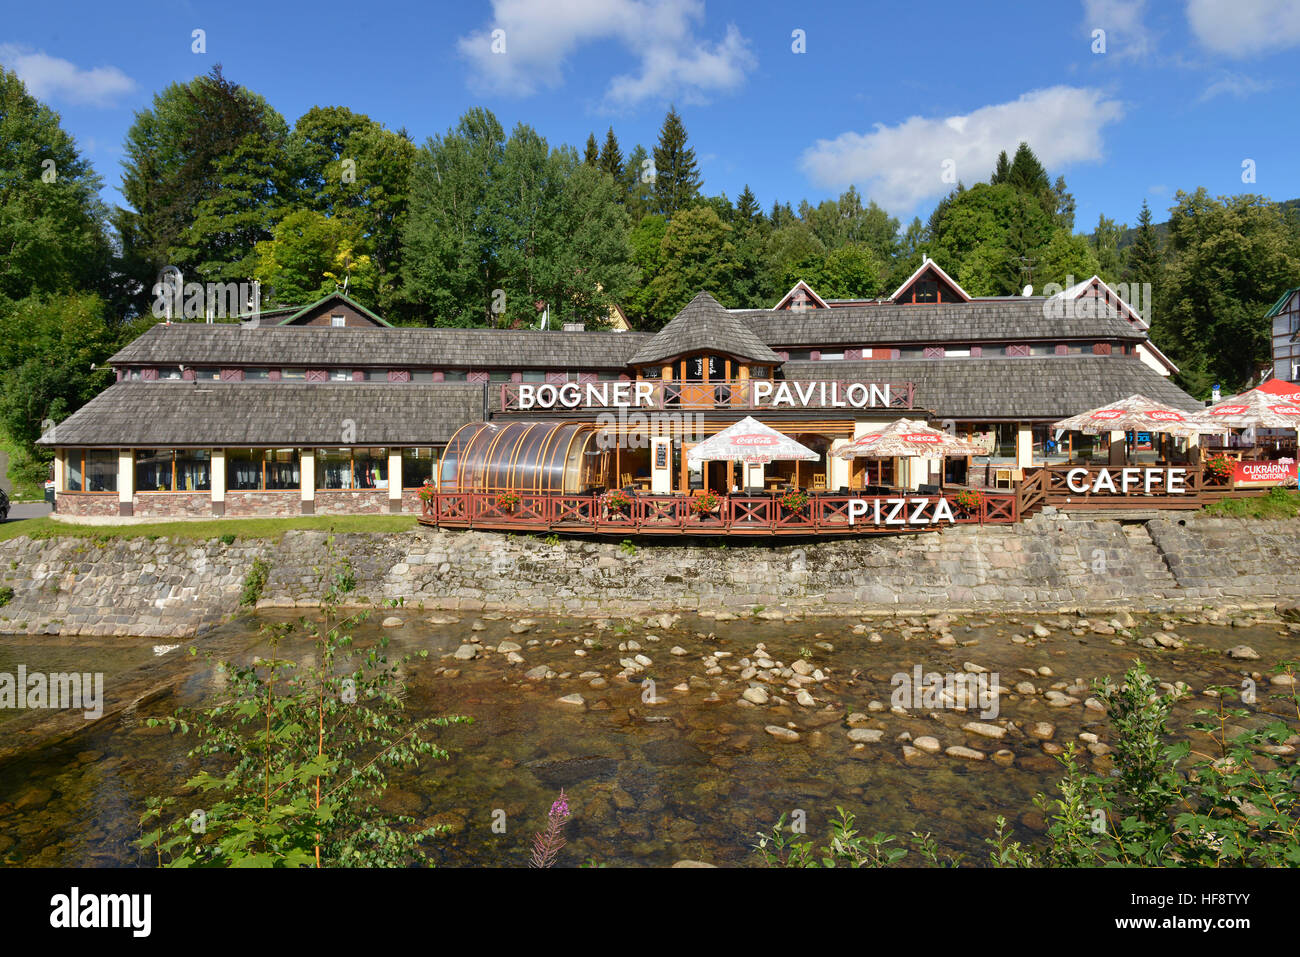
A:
(483, 227)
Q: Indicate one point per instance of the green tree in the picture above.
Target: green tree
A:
(611, 157)
(677, 179)
(1144, 259)
(1105, 245)
(788, 252)
(1230, 258)
(1066, 255)
(591, 156)
(449, 258)
(697, 255)
(638, 184)
(310, 255)
(205, 178)
(52, 224)
(747, 208)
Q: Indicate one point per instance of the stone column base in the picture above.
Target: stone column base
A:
(309, 507)
(125, 509)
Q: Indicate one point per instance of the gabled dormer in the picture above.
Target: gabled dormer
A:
(929, 284)
(335, 310)
(800, 297)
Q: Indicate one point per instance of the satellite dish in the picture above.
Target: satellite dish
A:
(1027, 291)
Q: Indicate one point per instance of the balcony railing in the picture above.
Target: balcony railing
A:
(747, 395)
(734, 514)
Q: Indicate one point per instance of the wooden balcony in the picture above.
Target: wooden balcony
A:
(752, 515)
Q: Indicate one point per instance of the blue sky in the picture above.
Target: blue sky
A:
(890, 96)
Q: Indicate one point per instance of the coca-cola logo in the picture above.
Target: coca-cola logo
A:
(1166, 416)
(1229, 410)
(755, 440)
(922, 438)
(1285, 409)
(1108, 414)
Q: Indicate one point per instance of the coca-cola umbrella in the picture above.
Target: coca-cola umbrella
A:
(907, 437)
(1258, 408)
(1137, 413)
(751, 442)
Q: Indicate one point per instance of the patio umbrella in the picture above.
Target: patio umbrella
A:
(1258, 408)
(907, 437)
(749, 441)
(1137, 413)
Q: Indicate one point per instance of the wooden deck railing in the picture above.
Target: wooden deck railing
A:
(1076, 487)
(735, 514)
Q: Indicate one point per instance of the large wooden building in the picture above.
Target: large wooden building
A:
(329, 409)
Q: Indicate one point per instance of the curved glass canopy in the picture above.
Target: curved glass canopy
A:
(523, 457)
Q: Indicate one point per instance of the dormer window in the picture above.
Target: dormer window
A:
(927, 290)
(338, 322)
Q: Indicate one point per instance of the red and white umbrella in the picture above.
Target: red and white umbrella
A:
(1257, 408)
(907, 437)
(749, 440)
(1137, 413)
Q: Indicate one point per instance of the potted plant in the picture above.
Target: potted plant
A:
(616, 501)
(705, 504)
(794, 500)
(968, 501)
(1219, 467)
(427, 491)
(507, 501)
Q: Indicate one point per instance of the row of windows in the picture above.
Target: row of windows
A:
(213, 374)
(964, 352)
(190, 470)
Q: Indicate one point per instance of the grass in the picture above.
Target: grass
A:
(26, 476)
(1278, 503)
(227, 529)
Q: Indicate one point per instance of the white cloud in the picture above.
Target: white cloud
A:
(1234, 84)
(901, 166)
(53, 79)
(1126, 33)
(672, 61)
(1243, 27)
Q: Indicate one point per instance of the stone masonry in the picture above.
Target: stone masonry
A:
(75, 585)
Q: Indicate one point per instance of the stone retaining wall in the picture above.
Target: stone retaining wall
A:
(137, 586)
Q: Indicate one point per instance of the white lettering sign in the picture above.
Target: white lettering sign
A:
(1127, 481)
(900, 511)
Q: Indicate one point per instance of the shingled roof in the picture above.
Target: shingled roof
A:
(1015, 319)
(167, 415)
(228, 344)
(1029, 388)
(704, 326)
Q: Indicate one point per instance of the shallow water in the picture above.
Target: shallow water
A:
(650, 784)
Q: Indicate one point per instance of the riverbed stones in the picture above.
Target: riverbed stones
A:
(866, 735)
(805, 699)
(782, 734)
(508, 646)
(755, 695)
(926, 743)
(1243, 653)
(1042, 730)
(984, 730)
(967, 754)
(539, 673)
(466, 652)
(574, 700)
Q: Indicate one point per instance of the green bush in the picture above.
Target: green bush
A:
(255, 582)
(6, 595)
(295, 759)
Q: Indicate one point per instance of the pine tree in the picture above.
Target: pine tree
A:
(1063, 205)
(592, 156)
(677, 179)
(1000, 171)
(1026, 173)
(1144, 256)
(611, 157)
(747, 206)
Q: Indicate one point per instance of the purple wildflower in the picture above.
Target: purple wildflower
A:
(547, 844)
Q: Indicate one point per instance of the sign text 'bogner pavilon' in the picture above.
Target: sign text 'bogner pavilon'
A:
(775, 395)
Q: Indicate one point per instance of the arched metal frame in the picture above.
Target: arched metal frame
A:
(522, 457)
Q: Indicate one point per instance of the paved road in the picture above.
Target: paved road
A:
(21, 510)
